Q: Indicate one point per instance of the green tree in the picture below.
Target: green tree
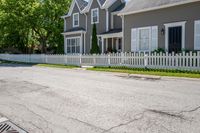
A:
(32, 24)
(95, 48)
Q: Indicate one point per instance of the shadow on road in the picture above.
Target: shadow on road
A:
(14, 64)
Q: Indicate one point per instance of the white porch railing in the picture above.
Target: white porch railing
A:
(182, 61)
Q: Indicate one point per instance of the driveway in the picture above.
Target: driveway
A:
(50, 100)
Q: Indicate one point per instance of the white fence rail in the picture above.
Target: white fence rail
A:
(182, 61)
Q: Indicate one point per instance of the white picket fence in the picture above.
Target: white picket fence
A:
(182, 61)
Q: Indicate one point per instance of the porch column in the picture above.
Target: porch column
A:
(81, 44)
(102, 47)
(112, 43)
(106, 44)
(84, 43)
(65, 45)
(117, 44)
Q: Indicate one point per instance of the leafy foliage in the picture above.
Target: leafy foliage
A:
(32, 24)
(95, 48)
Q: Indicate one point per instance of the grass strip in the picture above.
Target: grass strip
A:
(156, 72)
(56, 66)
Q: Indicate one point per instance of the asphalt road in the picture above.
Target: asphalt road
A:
(49, 100)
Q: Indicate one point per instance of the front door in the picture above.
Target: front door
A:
(175, 39)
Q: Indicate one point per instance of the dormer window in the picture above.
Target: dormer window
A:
(75, 19)
(95, 16)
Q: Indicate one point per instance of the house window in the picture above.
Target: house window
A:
(144, 39)
(75, 19)
(95, 16)
(73, 45)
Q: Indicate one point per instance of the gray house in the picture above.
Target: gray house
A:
(173, 25)
(138, 25)
(78, 24)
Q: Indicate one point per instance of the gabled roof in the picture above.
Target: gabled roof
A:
(104, 4)
(137, 6)
(85, 6)
(100, 2)
(82, 4)
(119, 8)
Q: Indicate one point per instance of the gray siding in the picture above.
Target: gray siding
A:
(69, 20)
(111, 9)
(101, 26)
(189, 13)
(117, 22)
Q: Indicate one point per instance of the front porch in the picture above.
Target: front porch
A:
(111, 41)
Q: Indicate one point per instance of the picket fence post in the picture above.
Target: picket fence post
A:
(80, 59)
(145, 60)
(109, 59)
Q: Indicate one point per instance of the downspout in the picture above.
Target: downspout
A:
(86, 28)
(123, 25)
(65, 26)
(107, 20)
(65, 29)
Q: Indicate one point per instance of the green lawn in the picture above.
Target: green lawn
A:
(56, 66)
(170, 73)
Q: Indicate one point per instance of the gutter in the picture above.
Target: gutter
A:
(157, 8)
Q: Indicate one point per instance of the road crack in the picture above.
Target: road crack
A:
(88, 124)
(137, 117)
(140, 116)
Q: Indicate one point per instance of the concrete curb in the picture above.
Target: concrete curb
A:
(153, 77)
(145, 76)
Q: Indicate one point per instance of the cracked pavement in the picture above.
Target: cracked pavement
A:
(50, 100)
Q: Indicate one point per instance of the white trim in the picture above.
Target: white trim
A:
(65, 25)
(112, 21)
(73, 32)
(65, 44)
(104, 6)
(123, 29)
(135, 42)
(81, 44)
(74, 2)
(102, 46)
(156, 8)
(76, 37)
(107, 20)
(74, 20)
(120, 35)
(87, 9)
(106, 44)
(95, 9)
(84, 43)
(167, 26)
(138, 39)
(196, 35)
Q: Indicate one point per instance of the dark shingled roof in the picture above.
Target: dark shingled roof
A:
(75, 29)
(102, 2)
(112, 31)
(82, 4)
(119, 8)
(137, 5)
